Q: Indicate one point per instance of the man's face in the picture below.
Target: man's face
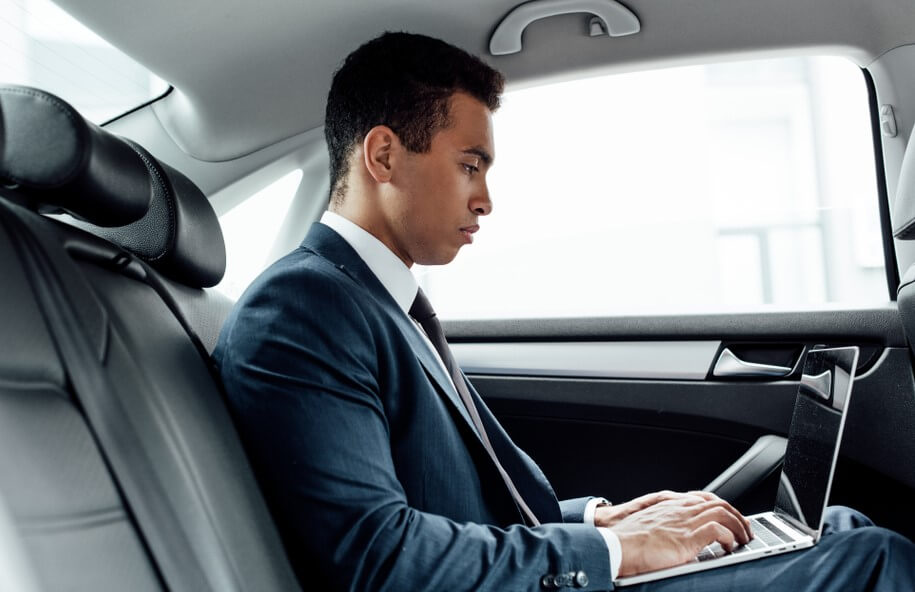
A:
(440, 194)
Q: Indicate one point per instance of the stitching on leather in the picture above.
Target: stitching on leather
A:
(168, 198)
(62, 106)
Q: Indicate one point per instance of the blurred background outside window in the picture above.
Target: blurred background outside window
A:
(741, 186)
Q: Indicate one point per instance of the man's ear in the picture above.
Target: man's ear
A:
(378, 152)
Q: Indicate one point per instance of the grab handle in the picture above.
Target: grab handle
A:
(617, 20)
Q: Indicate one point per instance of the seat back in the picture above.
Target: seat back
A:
(132, 264)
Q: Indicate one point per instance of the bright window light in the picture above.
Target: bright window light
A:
(247, 229)
(727, 187)
(44, 47)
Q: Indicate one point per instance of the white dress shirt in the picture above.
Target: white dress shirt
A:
(398, 280)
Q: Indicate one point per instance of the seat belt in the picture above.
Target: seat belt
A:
(131, 467)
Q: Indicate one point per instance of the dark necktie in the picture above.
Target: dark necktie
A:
(424, 314)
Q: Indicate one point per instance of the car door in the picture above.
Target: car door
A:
(622, 408)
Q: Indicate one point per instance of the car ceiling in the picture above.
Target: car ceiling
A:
(248, 75)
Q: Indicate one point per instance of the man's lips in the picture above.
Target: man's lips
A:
(468, 231)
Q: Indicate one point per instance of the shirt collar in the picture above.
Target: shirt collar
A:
(387, 267)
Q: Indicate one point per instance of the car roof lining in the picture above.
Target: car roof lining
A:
(271, 84)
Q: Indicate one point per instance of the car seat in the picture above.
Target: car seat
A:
(120, 468)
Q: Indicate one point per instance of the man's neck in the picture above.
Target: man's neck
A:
(372, 222)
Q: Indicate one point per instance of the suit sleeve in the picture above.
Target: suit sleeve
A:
(573, 510)
(299, 364)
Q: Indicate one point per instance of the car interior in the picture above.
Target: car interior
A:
(120, 466)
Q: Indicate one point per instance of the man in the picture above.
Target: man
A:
(383, 467)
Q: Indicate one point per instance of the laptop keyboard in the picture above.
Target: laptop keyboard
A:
(783, 537)
(765, 535)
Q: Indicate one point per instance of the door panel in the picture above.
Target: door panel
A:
(629, 427)
(659, 434)
(877, 325)
(688, 360)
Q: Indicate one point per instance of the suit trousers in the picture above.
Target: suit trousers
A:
(852, 555)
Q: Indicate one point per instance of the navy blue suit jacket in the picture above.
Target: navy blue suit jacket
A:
(371, 466)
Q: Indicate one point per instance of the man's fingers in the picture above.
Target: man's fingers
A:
(710, 533)
(715, 512)
(650, 499)
(696, 508)
(745, 524)
(656, 497)
(690, 499)
(674, 527)
(708, 495)
(712, 497)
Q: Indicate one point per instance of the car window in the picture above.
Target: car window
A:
(249, 230)
(43, 46)
(734, 186)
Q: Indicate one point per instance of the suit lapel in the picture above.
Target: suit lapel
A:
(537, 491)
(326, 243)
(433, 369)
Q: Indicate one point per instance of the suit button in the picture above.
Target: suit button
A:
(581, 579)
(548, 582)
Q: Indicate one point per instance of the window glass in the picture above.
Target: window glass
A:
(249, 230)
(727, 187)
(43, 46)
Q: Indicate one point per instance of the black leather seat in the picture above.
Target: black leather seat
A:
(163, 497)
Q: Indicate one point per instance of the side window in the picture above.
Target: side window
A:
(247, 229)
(43, 46)
(727, 187)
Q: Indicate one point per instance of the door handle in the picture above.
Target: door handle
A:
(730, 365)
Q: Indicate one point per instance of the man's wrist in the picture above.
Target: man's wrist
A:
(614, 549)
(591, 509)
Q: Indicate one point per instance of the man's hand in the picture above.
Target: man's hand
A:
(665, 529)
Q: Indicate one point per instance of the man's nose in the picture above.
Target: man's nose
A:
(480, 204)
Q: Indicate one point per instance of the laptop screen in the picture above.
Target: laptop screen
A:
(815, 436)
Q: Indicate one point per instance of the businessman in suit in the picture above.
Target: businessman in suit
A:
(382, 466)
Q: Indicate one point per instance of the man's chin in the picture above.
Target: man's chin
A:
(439, 258)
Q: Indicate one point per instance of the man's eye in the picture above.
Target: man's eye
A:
(470, 168)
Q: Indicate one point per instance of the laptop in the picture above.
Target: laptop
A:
(806, 476)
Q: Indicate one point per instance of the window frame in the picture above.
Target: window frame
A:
(890, 262)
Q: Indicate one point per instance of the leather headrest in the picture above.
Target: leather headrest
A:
(180, 234)
(52, 159)
(56, 160)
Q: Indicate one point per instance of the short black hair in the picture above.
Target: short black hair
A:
(404, 81)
